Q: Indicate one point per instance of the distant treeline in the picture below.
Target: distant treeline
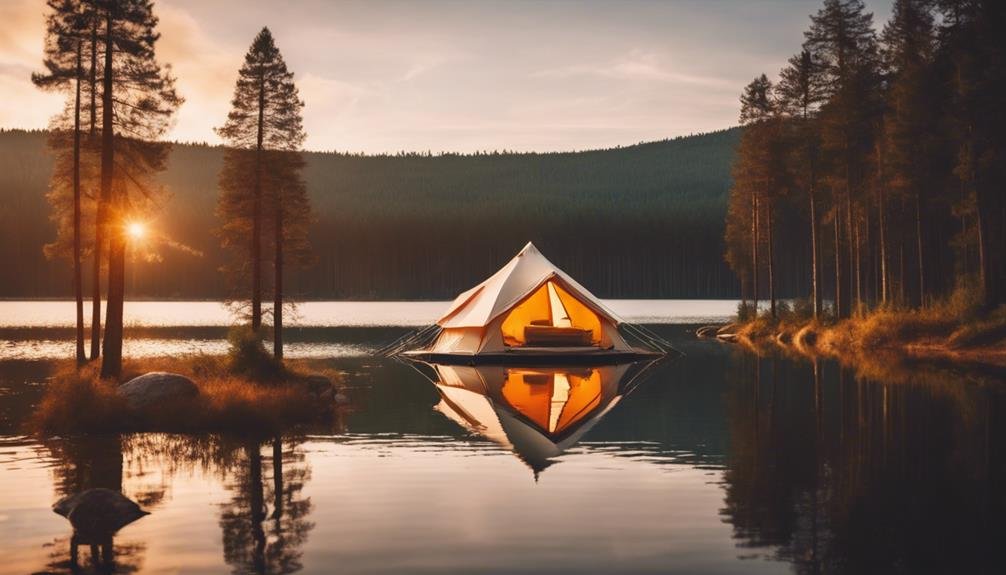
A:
(639, 221)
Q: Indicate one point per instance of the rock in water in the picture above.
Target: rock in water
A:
(98, 512)
(156, 387)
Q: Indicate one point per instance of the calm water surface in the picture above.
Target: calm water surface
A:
(717, 462)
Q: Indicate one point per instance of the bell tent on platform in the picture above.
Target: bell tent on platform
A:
(531, 309)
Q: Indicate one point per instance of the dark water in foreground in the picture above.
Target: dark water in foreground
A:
(718, 462)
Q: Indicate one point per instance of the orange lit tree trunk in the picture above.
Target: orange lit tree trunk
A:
(98, 222)
(78, 286)
(111, 364)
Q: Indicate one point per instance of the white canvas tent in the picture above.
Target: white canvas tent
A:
(529, 305)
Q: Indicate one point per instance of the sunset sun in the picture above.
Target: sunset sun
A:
(136, 230)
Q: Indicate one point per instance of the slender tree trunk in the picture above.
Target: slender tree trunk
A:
(859, 266)
(100, 210)
(838, 260)
(771, 261)
(882, 223)
(256, 247)
(815, 281)
(850, 248)
(78, 284)
(111, 365)
(920, 255)
(277, 310)
(93, 80)
(754, 251)
(985, 277)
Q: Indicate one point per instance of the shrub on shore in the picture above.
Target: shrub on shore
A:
(78, 400)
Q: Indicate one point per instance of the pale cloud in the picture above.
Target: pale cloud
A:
(390, 75)
(637, 65)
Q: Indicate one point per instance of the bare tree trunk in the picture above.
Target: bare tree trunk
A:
(815, 282)
(111, 365)
(884, 295)
(277, 310)
(838, 260)
(985, 277)
(100, 208)
(850, 247)
(78, 284)
(859, 266)
(256, 243)
(920, 254)
(771, 262)
(754, 251)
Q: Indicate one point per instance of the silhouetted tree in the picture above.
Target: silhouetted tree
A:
(759, 179)
(67, 24)
(910, 116)
(138, 99)
(842, 41)
(291, 218)
(800, 94)
(265, 117)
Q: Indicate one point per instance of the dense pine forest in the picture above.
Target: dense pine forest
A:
(880, 152)
(639, 221)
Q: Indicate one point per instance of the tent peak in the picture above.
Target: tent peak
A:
(529, 248)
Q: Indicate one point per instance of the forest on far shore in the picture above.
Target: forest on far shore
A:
(639, 221)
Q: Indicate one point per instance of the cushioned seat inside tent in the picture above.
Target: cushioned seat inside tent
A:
(529, 305)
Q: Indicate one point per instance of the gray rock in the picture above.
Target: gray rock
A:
(98, 512)
(156, 387)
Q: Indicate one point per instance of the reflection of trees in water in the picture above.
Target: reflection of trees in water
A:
(257, 539)
(837, 472)
(80, 464)
(264, 524)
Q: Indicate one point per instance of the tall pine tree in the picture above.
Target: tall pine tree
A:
(66, 35)
(842, 40)
(800, 94)
(138, 101)
(264, 130)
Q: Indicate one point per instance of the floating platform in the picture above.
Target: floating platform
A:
(538, 356)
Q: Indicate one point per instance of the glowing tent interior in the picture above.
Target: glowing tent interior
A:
(536, 412)
(529, 308)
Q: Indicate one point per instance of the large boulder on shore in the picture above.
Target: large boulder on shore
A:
(98, 512)
(157, 387)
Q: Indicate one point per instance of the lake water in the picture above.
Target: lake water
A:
(716, 462)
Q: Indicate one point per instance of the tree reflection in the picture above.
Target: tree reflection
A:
(836, 472)
(255, 539)
(80, 464)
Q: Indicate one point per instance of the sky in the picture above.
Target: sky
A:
(457, 75)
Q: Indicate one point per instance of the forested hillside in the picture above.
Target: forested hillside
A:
(638, 221)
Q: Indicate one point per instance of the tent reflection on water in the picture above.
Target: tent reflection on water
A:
(537, 412)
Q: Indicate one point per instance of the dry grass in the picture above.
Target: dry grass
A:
(80, 401)
(954, 329)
